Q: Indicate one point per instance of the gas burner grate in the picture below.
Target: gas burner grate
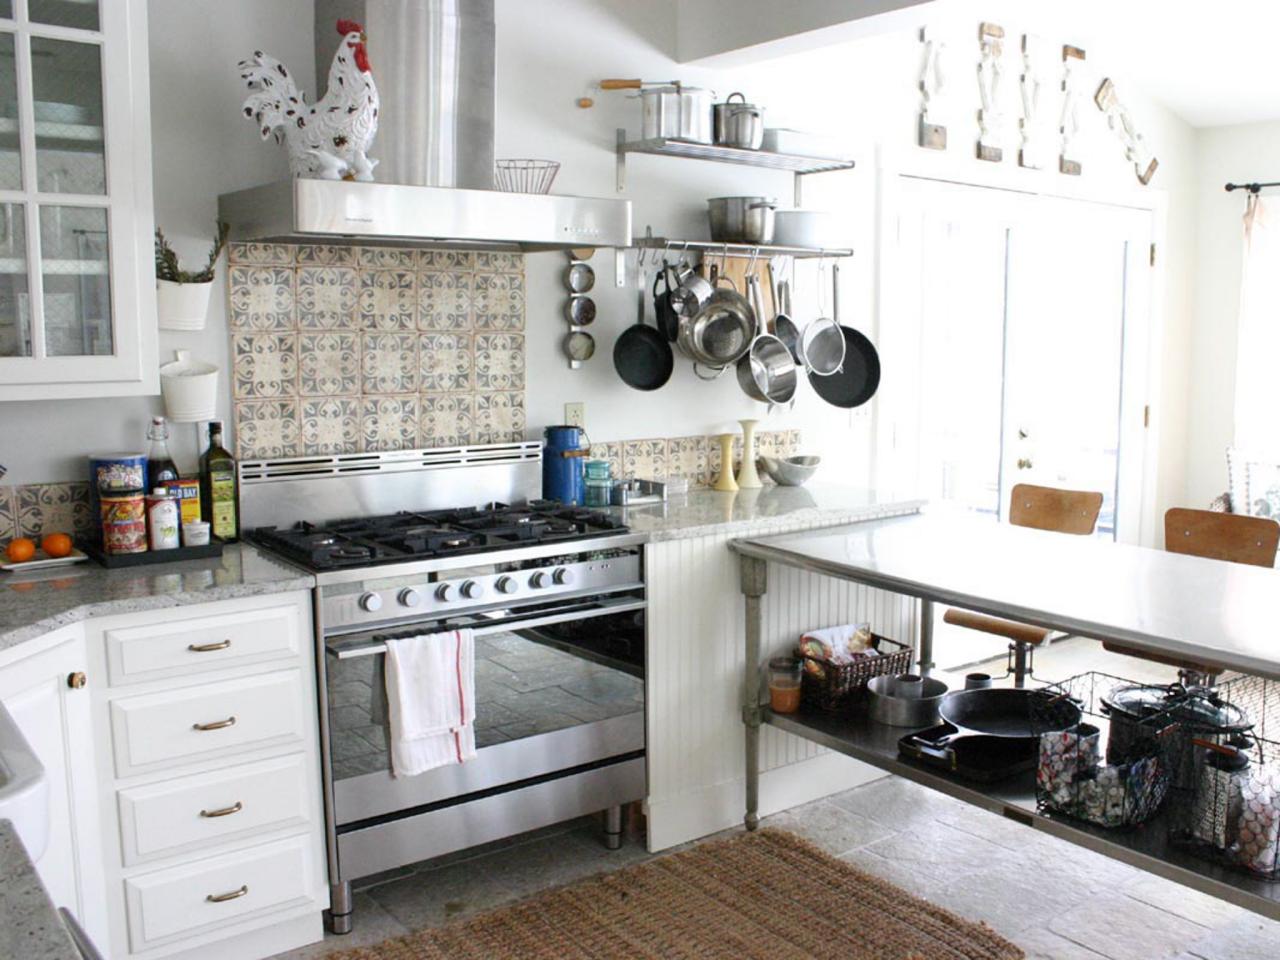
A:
(369, 541)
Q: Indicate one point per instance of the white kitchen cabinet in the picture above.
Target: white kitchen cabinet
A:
(77, 288)
(56, 719)
(207, 742)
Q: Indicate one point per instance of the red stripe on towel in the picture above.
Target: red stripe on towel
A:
(462, 703)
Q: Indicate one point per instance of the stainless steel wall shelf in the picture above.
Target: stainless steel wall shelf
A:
(765, 250)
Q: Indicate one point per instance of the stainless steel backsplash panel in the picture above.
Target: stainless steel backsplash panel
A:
(320, 489)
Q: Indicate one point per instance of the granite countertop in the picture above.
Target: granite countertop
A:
(32, 928)
(40, 601)
(703, 512)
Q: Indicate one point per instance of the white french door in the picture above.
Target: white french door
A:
(1026, 321)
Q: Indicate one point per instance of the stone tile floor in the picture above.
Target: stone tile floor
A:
(1056, 900)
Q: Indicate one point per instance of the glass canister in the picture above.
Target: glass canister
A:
(784, 684)
(598, 483)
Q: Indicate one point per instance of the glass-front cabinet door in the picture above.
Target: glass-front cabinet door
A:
(77, 298)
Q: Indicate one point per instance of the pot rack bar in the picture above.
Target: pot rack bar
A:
(797, 164)
(752, 250)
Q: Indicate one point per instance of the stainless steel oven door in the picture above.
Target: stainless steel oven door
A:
(542, 707)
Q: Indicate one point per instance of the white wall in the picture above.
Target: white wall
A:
(1237, 154)
(549, 53)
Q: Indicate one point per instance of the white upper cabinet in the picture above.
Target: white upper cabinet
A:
(77, 287)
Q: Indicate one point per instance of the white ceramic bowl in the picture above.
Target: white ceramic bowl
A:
(805, 228)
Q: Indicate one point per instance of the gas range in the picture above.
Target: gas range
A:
(554, 597)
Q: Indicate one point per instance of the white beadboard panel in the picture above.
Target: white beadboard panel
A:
(696, 664)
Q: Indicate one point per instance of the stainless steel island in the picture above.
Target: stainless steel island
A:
(1205, 610)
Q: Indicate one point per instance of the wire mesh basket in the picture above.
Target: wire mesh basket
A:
(525, 176)
(1225, 803)
(1111, 769)
(839, 687)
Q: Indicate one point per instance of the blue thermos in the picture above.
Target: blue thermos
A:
(562, 461)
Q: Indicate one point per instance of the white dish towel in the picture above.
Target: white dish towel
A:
(431, 700)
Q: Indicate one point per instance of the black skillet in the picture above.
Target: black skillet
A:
(642, 356)
(858, 378)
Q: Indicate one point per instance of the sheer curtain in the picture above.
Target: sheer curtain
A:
(1257, 407)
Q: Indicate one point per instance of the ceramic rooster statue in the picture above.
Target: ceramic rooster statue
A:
(330, 140)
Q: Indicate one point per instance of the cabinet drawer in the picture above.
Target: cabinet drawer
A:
(163, 818)
(216, 892)
(197, 723)
(201, 643)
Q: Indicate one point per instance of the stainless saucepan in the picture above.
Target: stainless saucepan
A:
(767, 372)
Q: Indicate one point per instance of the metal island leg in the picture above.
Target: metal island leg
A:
(754, 581)
(926, 637)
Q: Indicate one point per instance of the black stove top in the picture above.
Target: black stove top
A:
(398, 537)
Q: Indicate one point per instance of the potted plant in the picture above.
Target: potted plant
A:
(182, 297)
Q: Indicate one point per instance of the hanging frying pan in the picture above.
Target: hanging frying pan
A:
(642, 356)
(858, 379)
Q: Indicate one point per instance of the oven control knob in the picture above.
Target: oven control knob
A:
(444, 592)
(472, 590)
(371, 602)
(410, 597)
(538, 580)
(506, 585)
(562, 576)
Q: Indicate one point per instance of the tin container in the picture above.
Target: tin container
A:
(113, 473)
(124, 523)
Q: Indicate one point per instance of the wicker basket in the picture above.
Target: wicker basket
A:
(842, 686)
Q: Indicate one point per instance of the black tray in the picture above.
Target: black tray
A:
(973, 756)
(113, 560)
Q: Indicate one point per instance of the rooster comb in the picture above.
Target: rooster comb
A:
(349, 26)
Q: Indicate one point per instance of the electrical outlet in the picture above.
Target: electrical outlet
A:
(575, 415)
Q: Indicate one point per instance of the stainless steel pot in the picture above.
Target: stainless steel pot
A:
(741, 219)
(676, 112)
(720, 332)
(884, 706)
(767, 372)
(739, 124)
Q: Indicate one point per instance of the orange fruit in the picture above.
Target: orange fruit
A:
(56, 544)
(21, 550)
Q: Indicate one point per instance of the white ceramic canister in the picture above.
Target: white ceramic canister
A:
(162, 519)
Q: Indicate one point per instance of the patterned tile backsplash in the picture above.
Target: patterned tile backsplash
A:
(695, 458)
(34, 509)
(346, 349)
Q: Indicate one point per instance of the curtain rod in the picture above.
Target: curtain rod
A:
(1251, 187)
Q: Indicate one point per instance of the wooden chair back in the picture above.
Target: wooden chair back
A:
(1222, 536)
(1047, 508)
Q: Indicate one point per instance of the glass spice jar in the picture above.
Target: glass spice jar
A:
(784, 684)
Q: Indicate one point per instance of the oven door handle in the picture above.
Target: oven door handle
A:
(376, 644)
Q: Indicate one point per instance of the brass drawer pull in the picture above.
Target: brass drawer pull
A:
(224, 812)
(208, 647)
(224, 897)
(216, 725)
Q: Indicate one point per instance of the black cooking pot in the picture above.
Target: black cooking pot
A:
(1138, 711)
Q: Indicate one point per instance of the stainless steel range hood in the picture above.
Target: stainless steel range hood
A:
(433, 61)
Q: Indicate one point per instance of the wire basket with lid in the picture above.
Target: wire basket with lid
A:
(525, 176)
(1113, 768)
(1227, 795)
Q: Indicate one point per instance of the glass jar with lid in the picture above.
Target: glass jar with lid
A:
(598, 483)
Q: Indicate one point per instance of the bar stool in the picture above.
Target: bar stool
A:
(1041, 508)
(1233, 537)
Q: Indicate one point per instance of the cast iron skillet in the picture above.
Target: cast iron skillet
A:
(643, 358)
(1016, 717)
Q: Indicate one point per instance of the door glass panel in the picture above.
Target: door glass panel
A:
(82, 14)
(15, 305)
(76, 281)
(70, 156)
(10, 157)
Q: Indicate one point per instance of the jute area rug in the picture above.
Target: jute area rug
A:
(761, 896)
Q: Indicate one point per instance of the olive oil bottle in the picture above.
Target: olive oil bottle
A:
(219, 487)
